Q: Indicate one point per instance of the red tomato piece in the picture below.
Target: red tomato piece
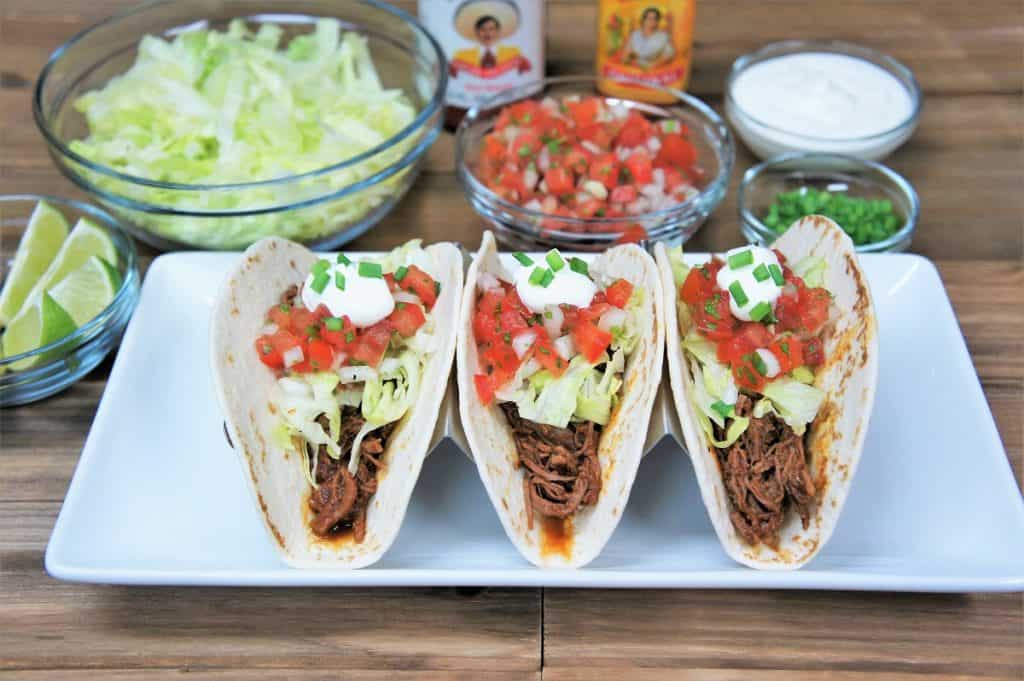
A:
(814, 303)
(420, 283)
(714, 318)
(605, 169)
(303, 322)
(755, 333)
(619, 292)
(635, 131)
(814, 352)
(747, 376)
(590, 341)
(281, 315)
(632, 234)
(698, 285)
(371, 344)
(559, 181)
(677, 150)
(544, 351)
(584, 112)
(623, 194)
(407, 318)
(577, 160)
(484, 388)
(319, 354)
(640, 167)
(339, 339)
(788, 350)
(525, 147)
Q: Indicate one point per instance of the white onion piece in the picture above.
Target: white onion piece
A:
(549, 103)
(523, 342)
(532, 204)
(511, 132)
(543, 187)
(550, 204)
(596, 189)
(339, 359)
(612, 318)
(488, 282)
(389, 366)
(654, 144)
(268, 329)
(292, 356)
(590, 146)
(651, 191)
(771, 362)
(530, 178)
(356, 374)
(619, 110)
(553, 318)
(406, 297)
(623, 153)
(659, 177)
(295, 387)
(544, 160)
(641, 205)
(565, 348)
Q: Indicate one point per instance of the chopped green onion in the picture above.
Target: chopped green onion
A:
(776, 273)
(554, 260)
(523, 259)
(547, 314)
(738, 294)
(760, 311)
(741, 259)
(758, 363)
(320, 282)
(723, 409)
(437, 288)
(579, 266)
(537, 275)
(320, 267)
(761, 272)
(339, 281)
(284, 307)
(343, 259)
(333, 323)
(371, 270)
(401, 272)
(312, 331)
(349, 337)
(399, 306)
(709, 306)
(508, 338)
(785, 347)
(546, 280)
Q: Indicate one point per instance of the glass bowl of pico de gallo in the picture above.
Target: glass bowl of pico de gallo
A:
(558, 165)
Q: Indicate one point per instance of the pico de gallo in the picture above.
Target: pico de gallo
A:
(552, 341)
(348, 348)
(582, 157)
(754, 331)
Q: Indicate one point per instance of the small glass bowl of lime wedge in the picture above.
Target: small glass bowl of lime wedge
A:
(70, 284)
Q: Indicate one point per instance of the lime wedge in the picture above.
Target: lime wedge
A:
(85, 241)
(40, 242)
(35, 327)
(88, 290)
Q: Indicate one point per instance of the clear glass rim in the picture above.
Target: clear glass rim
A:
(786, 47)
(898, 181)
(470, 182)
(433, 106)
(122, 298)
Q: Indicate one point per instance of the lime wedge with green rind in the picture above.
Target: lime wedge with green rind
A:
(88, 290)
(46, 231)
(35, 327)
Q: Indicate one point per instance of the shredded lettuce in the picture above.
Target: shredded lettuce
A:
(555, 403)
(796, 403)
(600, 390)
(812, 270)
(680, 270)
(626, 337)
(214, 108)
(301, 399)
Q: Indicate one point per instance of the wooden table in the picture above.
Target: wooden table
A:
(965, 160)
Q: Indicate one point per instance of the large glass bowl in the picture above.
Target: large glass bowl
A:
(56, 366)
(527, 229)
(322, 208)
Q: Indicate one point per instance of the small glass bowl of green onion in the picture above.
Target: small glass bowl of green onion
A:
(873, 204)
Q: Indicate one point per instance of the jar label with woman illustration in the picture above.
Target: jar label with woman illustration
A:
(647, 41)
(491, 45)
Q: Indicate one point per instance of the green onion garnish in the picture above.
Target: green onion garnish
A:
(349, 337)
(401, 272)
(547, 314)
(321, 266)
(546, 280)
(537, 275)
(760, 311)
(284, 307)
(333, 323)
(741, 259)
(776, 273)
(723, 409)
(785, 347)
(507, 338)
(738, 294)
(320, 282)
(579, 266)
(371, 270)
(755, 359)
(554, 260)
(437, 288)
(343, 259)
(339, 281)
(523, 259)
(709, 307)
(761, 272)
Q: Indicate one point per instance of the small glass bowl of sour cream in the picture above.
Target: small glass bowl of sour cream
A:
(822, 96)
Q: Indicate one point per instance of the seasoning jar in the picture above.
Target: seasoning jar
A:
(491, 46)
(645, 41)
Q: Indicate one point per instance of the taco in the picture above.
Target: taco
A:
(773, 361)
(559, 360)
(326, 367)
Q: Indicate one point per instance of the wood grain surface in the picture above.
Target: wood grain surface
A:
(967, 163)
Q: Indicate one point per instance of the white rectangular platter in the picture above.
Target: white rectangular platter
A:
(158, 496)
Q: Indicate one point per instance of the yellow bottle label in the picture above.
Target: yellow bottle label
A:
(647, 41)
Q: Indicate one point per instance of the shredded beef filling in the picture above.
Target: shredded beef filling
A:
(765, 473)
(561, 465)
(340, 500)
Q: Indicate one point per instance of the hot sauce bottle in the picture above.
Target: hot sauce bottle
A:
(491, 46)
(647, 41)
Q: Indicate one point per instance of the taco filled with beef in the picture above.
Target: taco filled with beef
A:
(327, 368)
(559, 360)
(773, 360)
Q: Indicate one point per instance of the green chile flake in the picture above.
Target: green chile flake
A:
(867, 221)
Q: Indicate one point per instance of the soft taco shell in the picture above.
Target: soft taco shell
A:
(244, 386)
(622, 440)
(836, 437)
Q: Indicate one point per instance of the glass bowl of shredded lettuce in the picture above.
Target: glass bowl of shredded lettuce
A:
(213, 125)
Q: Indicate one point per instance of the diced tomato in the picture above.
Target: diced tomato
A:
(640, 167)
(525, 112)
(731, 350)
(585, 111)
(787, 313)
(281, 315)
(814, 352)
(713, 317)
(590, 208)
(677, 150)
(544, 352)
(371, 344)
(623, 194)
(339, 339)
(590, 341)
(635, 132)
(319, 355)
(632, 234)
(814, 304)
(619, 292)
(303, 322)
(698, 285)
(485, 319)
(494, 149)
(605, 169)
(420, 283)
(577, 160)
(788, 350)
(484, 388)
(525, 147)
(559, 180)
(756, 334)
(407, 318)
(501, 362)
(746, 375)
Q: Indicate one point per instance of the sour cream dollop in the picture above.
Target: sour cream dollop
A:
(365, 300)
(748, 279)
(567, 286)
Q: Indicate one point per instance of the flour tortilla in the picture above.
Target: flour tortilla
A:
(836, 437)
(622, 440)
(244, 386)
